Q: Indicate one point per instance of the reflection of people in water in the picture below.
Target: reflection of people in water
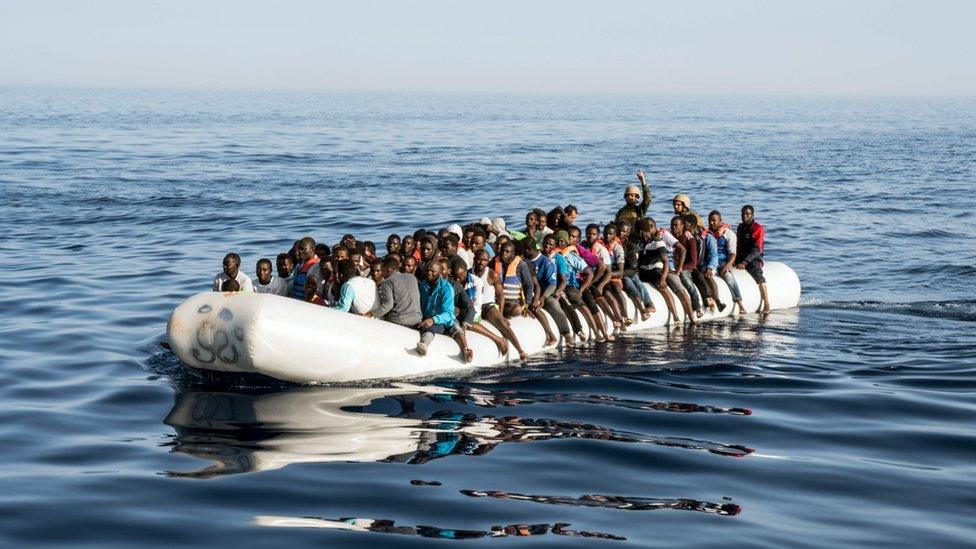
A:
(615, 502)
(386, 526)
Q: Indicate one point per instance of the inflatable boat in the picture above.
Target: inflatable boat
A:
(301, 342)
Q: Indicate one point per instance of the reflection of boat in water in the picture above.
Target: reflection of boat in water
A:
(269, 429)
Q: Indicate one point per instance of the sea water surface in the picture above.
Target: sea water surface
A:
(847, 421)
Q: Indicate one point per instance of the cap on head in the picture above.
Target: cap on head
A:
(682, 198)
(563, 235)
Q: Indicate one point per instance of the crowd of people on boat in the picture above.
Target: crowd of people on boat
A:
(458, 279)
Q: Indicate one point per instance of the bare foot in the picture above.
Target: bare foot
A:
(523, 355)
(742, 310)
(502, 347)
(699, 313)
(611, 338)
(468, 355)
(645, 315)
(568, 340)
(581, 336)
(550, 341)
(628, 321)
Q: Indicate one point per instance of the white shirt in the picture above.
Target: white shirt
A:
(669, 242)
(277, 286)
(242, 279)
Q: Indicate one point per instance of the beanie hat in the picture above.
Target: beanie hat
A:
(561, 234)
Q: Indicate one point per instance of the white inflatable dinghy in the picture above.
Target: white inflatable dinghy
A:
(302, 342)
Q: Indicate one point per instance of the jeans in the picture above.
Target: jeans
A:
(635, 288)
(733, 285)
(689, 285)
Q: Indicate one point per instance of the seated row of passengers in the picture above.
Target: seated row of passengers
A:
(458, 278)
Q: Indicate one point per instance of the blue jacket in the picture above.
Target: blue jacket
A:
(708, 258)
(437, 301)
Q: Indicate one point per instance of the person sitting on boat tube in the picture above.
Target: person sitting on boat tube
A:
(548, 280)
(307, 267)
(398, 296)
(437, 309)
(654, 266)
(588, 289)
(468, 293)
(230, 285)
(518, 285)
(633, 211)
(685, 261)
(578, 277)
(751, 238)
(726, 242)
(232, 269)
(490, 299)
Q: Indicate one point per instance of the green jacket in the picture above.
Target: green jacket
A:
(633, 214)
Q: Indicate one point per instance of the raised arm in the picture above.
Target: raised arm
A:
(645, 192)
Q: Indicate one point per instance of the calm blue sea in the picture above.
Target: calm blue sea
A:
(849, 421)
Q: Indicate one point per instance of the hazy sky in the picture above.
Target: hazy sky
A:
(680, 46)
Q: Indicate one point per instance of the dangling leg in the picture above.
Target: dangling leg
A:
(498, 341)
